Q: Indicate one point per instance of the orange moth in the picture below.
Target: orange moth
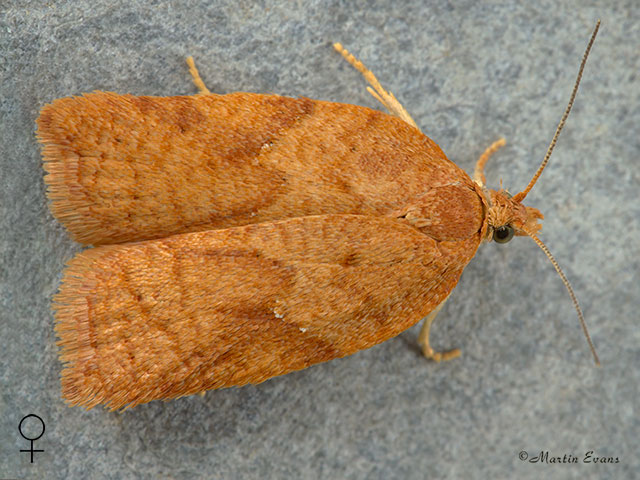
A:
(243, 236)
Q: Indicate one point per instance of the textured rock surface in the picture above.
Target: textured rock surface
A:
(469, 72)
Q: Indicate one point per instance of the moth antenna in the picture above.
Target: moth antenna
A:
(546, 251)
(520, 196)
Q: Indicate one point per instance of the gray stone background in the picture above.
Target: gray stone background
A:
(469, 72)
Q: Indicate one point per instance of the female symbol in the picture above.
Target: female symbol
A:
(28, 438)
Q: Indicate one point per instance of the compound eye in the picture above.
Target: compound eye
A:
(503, 234)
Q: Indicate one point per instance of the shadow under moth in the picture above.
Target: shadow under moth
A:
(243, 236)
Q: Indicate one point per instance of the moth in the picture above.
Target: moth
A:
(238, 237)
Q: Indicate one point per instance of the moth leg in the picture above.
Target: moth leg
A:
(423, 339)
(196, 76)
(385, 98)
(478, 173)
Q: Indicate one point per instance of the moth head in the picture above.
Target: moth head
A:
(508, 217)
